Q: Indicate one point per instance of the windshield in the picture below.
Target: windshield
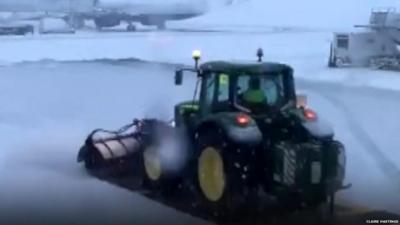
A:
(260, 91)
(246, 92)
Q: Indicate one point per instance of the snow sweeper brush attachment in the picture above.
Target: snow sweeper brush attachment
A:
(104, 149)
(108, 152)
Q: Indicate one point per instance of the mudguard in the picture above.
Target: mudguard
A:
(319, 129)
(248, 134)
(316, 169)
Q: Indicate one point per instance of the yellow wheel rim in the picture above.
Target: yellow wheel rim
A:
(211, 174)
(152, 163)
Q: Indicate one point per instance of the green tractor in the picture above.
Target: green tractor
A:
(244, 131)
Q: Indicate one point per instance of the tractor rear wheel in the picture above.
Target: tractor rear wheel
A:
(211, 174)
(221, 190)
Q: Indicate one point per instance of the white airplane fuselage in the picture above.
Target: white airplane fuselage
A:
(108, 13)
(154, 6)
(45, 5)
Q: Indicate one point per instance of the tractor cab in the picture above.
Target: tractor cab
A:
(254, 88)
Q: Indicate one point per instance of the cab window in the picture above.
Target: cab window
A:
(217, 92)
(223, 88)
(210, 90)
(342, 41)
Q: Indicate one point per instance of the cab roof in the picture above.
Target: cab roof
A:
(243, 66)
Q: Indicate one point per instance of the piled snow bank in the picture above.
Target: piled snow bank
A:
(306, 13)
(352, 77)
(232, 33)
(291, 47)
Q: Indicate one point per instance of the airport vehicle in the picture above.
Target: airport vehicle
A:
(16, 29)
(243, 131)
(376, 46)
(54, 26)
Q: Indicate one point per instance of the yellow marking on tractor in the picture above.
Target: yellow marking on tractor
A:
(211, 174)
(223, 79)
(192, 107)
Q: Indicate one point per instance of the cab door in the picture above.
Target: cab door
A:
(186, 114)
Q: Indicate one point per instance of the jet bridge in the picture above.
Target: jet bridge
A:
(375, 44)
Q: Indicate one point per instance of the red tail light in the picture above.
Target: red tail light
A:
(243, 119)
(310, 115)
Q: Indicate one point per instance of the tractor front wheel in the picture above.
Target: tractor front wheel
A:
(152, 165)
(155, 177)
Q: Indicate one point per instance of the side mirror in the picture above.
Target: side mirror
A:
(301, 101)
(178, 77)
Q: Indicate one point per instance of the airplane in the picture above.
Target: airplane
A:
(109, 13)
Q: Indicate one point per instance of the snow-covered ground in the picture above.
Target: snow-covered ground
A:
(365, 119)
(307, 13)
(48, 107)
(47, 110)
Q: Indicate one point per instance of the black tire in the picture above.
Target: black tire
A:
(232, 203)
(161, 25)
(131, 28)
(322, 214)
(98, 24)
(332, 64)
(21, 32)
(317, 200)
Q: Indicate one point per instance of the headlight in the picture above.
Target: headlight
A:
(196, 54)
(341, 159)
(341, 156)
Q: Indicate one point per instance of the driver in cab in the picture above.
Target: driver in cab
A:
(254, 95)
